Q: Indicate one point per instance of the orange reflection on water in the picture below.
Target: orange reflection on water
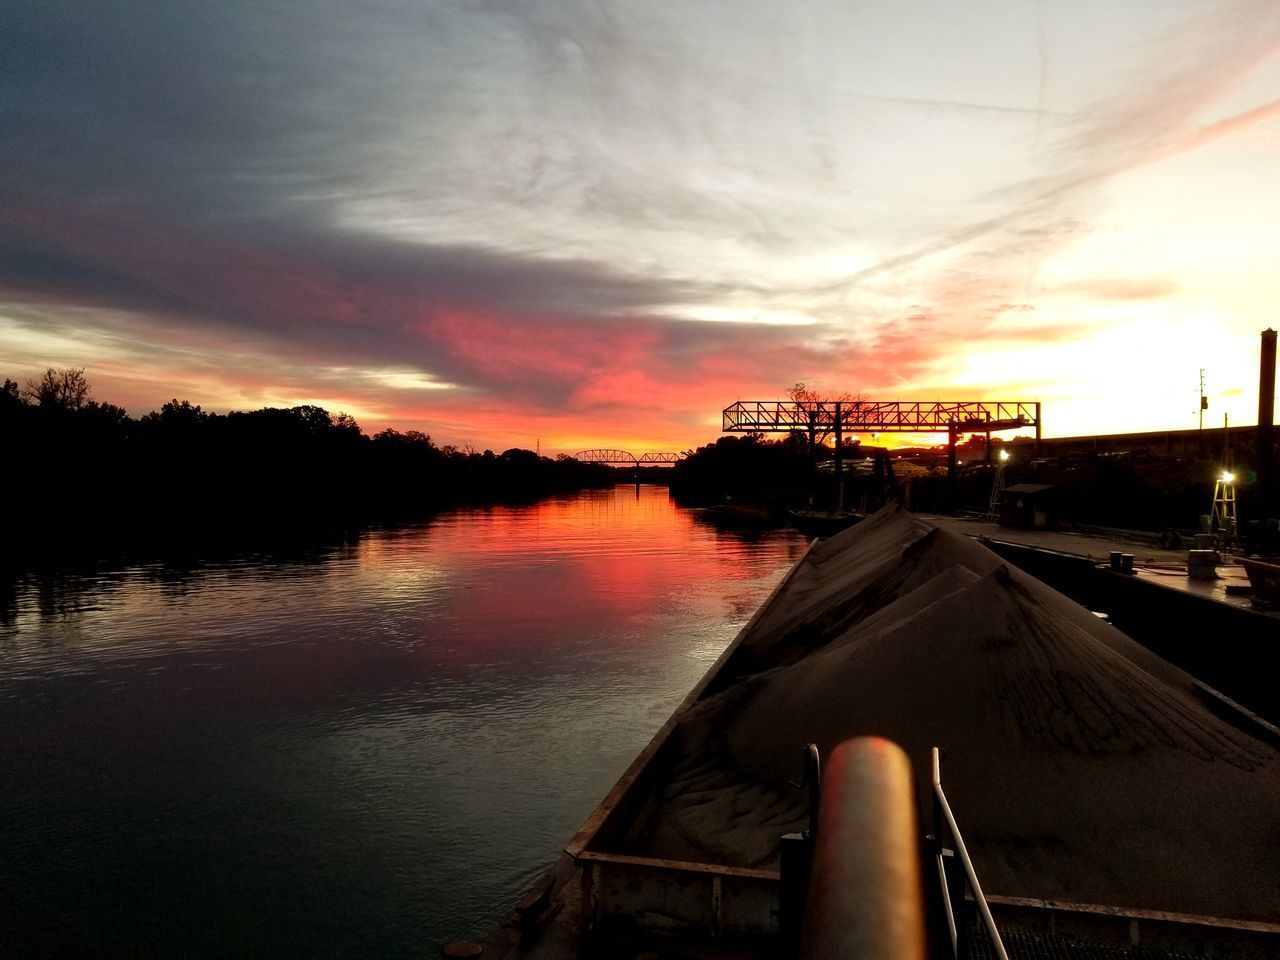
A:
(465, 688)
(611, 568)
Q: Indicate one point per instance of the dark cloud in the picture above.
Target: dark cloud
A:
(217, 110)
(184, 165)
(478, 318)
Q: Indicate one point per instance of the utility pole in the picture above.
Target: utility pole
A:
(1204, 404)
(1264, 453)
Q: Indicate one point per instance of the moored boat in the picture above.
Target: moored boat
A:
(823, 523)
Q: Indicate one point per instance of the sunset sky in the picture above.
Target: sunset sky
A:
(599, 223)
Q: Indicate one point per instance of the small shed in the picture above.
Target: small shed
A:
(1028, 506)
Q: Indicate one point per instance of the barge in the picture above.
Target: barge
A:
(1108, 796)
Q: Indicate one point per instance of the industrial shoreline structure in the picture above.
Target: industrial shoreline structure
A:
(837, 417)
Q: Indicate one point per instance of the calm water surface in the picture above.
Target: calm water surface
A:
(358, 750)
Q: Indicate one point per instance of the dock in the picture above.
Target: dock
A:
(1210, 628)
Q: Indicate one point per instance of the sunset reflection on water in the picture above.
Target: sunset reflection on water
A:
(357, 747)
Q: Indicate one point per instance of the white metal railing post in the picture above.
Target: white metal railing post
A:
(970, 874)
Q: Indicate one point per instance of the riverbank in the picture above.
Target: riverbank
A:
(94, 483)
(86, 536)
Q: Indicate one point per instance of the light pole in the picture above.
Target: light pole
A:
(997, 484)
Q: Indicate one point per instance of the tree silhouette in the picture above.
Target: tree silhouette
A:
(59, 389)
(802, 393)
(97, 478)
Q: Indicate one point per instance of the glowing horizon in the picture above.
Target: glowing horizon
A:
(597, 226)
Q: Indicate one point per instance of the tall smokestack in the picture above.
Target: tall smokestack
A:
(1266, 419)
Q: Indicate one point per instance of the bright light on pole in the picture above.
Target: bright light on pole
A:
(1004, 454)
(1227, 476)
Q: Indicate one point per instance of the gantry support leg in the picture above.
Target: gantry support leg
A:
(839, 460)
(951, 468)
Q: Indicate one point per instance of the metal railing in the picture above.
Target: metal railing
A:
(851, 884)
(953, 898)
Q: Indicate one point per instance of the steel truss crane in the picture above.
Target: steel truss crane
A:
(879, 416)
(882, 416)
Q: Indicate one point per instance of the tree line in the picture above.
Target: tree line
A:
(80, 468)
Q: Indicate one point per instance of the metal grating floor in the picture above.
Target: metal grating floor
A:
(1030, 945)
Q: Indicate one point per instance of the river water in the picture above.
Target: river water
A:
(358, 748)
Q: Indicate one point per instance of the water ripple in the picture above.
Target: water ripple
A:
(221, 759)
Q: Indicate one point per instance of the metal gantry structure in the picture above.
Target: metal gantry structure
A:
(879, 416)
(823, 417)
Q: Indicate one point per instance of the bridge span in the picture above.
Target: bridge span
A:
(627, 459)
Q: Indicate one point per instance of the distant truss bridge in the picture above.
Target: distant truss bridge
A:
(626, 458)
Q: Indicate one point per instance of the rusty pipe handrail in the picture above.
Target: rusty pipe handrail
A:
(972, 876)
(865, 898)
